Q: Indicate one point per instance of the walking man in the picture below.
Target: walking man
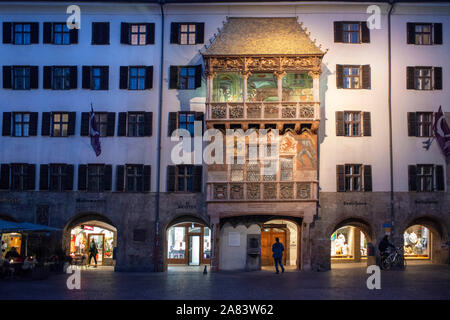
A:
(277, 249)
(93, 252)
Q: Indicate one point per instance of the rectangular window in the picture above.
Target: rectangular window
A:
(60, 124)
(184, 178)
(253, 171)
(425, 178)
(287, 169)
(353, 177)
(237, 172)
(61, 78)
(352, 77)
(19, 177)
(21, 78)
(352, 124)
(138, 34)
(423, 33)
(136, 124)
(100, 33)
(186, 121)
(96, 78)
(134, 178)
(58, 174)
(22, 33)
(351, 32)
(187, 33)
(21, 124)
(61, 34)
(96, 175)
(270, 170)
(422, 77)
(136, 78)
(424, 124)
(186, 78)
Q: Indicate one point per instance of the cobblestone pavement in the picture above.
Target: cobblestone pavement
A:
(345, 281)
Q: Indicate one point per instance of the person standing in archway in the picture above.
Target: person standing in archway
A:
(277, 249)
(93, 252)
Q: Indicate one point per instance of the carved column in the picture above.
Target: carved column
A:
(280, 75)
(215, 230)
(316, 85)
(209, 86)
(245, 75)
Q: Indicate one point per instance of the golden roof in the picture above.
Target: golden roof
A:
(262, 36)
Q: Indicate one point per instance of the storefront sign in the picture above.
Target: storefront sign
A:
(91, 200)
(90, 228)
(234, 239)
(10, 200)
(186, 205)
(426, 202)
(354, 203)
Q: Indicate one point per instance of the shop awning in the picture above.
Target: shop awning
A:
(8, 226)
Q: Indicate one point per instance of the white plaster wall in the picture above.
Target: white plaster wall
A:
(234, 258)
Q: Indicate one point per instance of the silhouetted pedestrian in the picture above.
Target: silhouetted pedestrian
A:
(277, 249)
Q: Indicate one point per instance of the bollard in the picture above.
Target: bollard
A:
(205, 271)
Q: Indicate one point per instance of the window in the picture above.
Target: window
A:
(186, 79)
(426, 178)
(100, 33)
(138, 34)
(96, 78)
(422, 78)
(351, 78)
(287, 169)
(58, 174)
(424, 124)
(134, 178)
(137, 78)
(352, 124)
(22, 33)
(61, 34)
(187, 33)
(351, 32)
(136, 124)
(21, 124)
(96, 178)
(60, 124)
(101, 119)
(424, 33)
(19, 177)
(21, 78)
(186, 121)
(352, 177)
(61, 78)
(184, 178)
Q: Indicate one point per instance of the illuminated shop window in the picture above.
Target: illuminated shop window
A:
(344, 243)
(417, 242)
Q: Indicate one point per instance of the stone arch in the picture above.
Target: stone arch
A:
(360, 223)
(186, 218)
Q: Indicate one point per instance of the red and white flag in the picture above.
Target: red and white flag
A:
(442, 132)
(94, 134)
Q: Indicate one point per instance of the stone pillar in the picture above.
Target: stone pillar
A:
(306, 246)
(316, 86)
(245, 76)
(209, 86)
(215, 234)
(356, 244)
(280, 75)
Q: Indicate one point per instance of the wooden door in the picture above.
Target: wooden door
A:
(267, 240)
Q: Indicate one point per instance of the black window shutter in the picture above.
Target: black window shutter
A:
(366, 76)
(173, 117)
(45, 129)
(33, 124)
(199, 33)
(123, 77)
(412, 178)
(410, 33)
(86, 77)
(340, 178)
(338, 32)
(174, 32)
(73, 33)
(173, 81)
(437, 78)
(7, 28)
(120, 178)
(198, 76)
(73, 77)
(412, 125)
(104, 78)
(440, 184)
(340, 128)
(148, 124)
(367, 178)
(149, 77)
(111, 121)
(170, 178)
(122, 125)
(437, 33)
(34, 38)
(71, 126)
(199, 116)
(367, 127)
(150, 36)
(107, 183)
(7, 77)
(365, 32)
(147, 178)
(47, 77)
(105, 33)
(43, 177)
(410, 83)
(84, 131)
(47, 32)
(68, 181)
(339, 76)
(6, 128)
(34, 77)
(124, 33)
(95, 38)
(197, 179)
(4, 176)
(31, 177)
(82, 177)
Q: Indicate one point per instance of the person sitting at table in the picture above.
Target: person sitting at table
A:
(12, 254)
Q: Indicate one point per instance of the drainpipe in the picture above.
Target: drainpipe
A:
(391, 161)
(158, 147)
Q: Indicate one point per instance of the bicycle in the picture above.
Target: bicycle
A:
(393, 258)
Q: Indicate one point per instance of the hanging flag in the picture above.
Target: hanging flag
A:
(93, 132)
(442, 132)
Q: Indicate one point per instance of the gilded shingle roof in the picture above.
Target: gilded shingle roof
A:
(262, 36)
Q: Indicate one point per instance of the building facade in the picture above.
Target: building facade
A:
(352, 104)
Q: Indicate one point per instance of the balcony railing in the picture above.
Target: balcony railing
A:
(262, 191)
(254, 111)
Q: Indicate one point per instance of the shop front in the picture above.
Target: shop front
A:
(10, 240)
(348, 243)
(188, 244)
(417, 240)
